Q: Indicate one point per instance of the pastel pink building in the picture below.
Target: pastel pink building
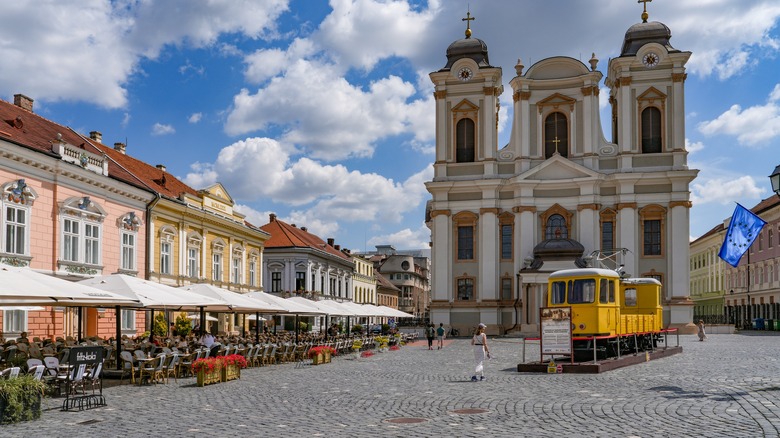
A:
(69, 211)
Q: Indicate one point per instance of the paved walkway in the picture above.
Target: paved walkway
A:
(728, 386)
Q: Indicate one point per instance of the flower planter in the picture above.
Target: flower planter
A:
(326, 356)
(207, 378)
(231, 372)
(318, 359)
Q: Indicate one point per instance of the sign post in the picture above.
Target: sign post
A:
(555, 332)
(85, 366)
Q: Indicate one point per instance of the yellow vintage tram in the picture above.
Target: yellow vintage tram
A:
(614, 312)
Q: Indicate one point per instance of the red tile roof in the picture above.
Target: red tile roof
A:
(284, 235)
(29, 130)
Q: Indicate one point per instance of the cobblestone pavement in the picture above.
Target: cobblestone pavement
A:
(727, 386)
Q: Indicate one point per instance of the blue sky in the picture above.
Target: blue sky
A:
(322, 111)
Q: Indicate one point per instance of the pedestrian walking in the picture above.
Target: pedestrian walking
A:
(702, 334)
(430, 333)
(481, 352)
(440, 335)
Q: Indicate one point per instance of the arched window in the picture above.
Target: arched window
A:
(556, 228)
(465, 141)
(651, 130)
(556, 135)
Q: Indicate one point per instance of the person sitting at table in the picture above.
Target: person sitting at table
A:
(207, 340)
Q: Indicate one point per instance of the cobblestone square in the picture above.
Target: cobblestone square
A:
(727, 386)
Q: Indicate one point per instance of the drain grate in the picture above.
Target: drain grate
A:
(406, 420)
(86, 422)
(469, 411)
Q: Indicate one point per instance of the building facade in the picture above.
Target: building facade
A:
(68, 211)
(558, 195)
(364, 281)
(708, 276)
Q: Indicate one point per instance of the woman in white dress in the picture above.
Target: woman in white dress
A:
(481, 351)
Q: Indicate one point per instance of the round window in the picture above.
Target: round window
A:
(405, 265)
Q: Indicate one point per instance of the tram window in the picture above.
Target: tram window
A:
(583, 291)
(630, 297)
(611, 291)
(604, 291)
(558, 292)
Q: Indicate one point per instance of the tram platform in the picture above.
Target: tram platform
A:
(564, 365)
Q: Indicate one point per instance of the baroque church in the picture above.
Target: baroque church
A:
(560, 194)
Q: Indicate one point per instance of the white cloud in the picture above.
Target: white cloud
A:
(753, 126)
(266, 63)
(362, 32)
(693, 147)
(328, 193)
(404, 239)
(195, 117)
(724, 191)
(90, 52)
(160, 129)
(125, 120)
(324, 114)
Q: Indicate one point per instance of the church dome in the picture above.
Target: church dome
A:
(558, 249)
(468, 47)
(643, 33)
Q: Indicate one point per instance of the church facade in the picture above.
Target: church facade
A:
(560, 194)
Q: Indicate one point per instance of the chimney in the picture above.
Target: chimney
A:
(331, 241)
(23, 102)
(304, 229)
(338, 247)
(96, 135)
(161, 167)
(121, 147)
(293, 225)
(272, 217)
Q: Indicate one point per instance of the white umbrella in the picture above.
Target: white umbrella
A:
(151, 295)
(26, 287)
(325, 306)
(208, 317)
(25, 308)
(362, 309)
(287, 305)
(252, 318)
(233, 302)
(395, 313)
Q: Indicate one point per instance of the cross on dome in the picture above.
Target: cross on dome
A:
(468, 25)
(644, 12)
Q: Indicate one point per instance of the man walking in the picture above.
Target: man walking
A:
(430, 332)
(440, 335)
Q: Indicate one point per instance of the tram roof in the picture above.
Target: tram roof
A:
(585, 272)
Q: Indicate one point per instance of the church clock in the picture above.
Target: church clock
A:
(465, 74)
(650, 60)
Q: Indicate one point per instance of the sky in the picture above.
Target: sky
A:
(322, 112)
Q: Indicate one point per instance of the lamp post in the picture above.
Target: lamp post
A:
(774, 178)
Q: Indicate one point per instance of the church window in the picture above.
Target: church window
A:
(556, 227)
(506, 241)
(465, 141)
(651, 130)
(465, 289)
(556, 135)
(506, 288)
(466, 242)
(607, 229)
(652, 221)
(652, 237)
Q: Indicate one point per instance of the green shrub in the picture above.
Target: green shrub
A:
(160, 326)
(20, 399)
(357, 328)
(183, 325)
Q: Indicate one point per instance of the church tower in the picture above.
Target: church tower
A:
(559, 195)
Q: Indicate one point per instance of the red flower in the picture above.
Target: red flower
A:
(321, 349)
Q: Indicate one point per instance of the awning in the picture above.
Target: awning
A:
(289, 306)
(326, 306)
(151, 295)
(27, 287)
(233, 301)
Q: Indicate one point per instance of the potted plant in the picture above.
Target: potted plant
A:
(207, 370)
(20, 399)
(382, 342)
(321, 354)
(231, 366)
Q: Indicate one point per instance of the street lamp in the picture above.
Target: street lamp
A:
(774, 178)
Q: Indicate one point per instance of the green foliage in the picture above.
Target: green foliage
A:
(303, 326)
(385, 328)
(20, 399)
(183, 325)
(357, 328)
(160, 325)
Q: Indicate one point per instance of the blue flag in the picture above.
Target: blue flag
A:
(743, 230)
